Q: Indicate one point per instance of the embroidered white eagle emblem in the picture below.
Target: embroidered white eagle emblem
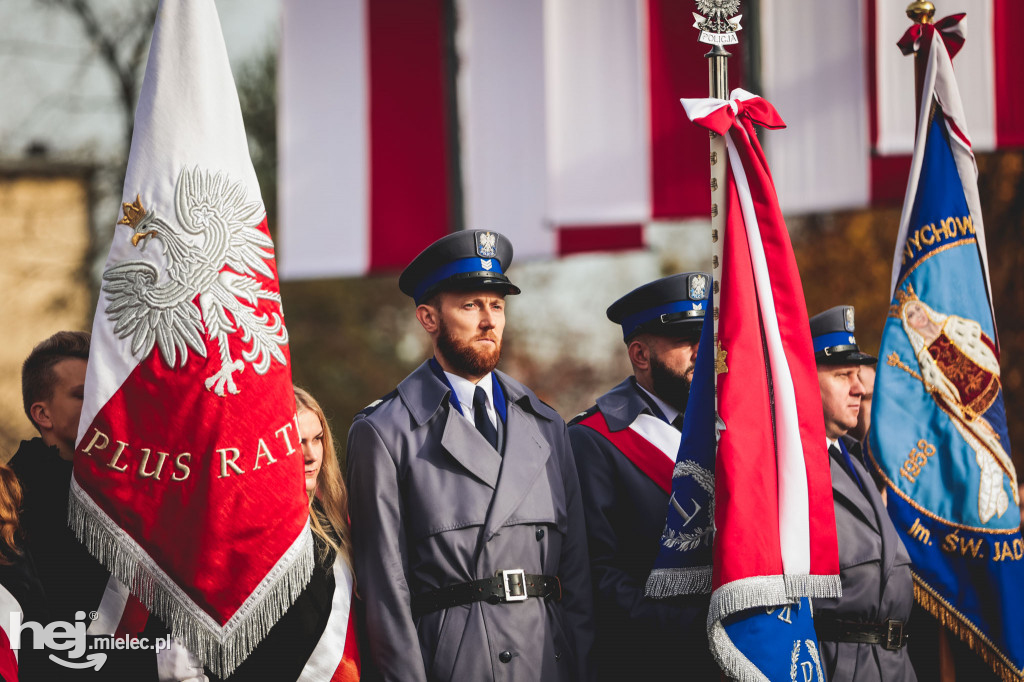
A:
(215, 229)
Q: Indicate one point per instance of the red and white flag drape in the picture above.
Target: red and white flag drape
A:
(775, 525)
(553, 122)
(859, 85)
(188, 474)
(556, 121)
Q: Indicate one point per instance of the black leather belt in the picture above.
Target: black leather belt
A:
(891, 634)
(506, 587)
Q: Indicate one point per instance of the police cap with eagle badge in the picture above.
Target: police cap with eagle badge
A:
(670, 306)
(468, 259)
(832, 336)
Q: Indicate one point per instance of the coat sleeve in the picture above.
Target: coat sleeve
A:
(577, 597)
(619, 597)
(379, 555)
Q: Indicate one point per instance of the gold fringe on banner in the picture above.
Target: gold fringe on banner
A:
(955, 622)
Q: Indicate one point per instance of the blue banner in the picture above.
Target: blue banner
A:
(780, 642)
(938, 426)
(683, 565)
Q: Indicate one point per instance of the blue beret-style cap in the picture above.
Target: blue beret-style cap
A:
(468, 259)
(832, 336)
(670, 306)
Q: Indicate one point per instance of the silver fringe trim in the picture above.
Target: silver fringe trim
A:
(814, 586)
(750, 593)
(733, 663)
(220, 647)
(770, 590)
(672, 582)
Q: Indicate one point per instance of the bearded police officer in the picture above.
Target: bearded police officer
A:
(862, 633)
(625, 448)
(469, 541)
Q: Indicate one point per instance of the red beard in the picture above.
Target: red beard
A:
(465, 358)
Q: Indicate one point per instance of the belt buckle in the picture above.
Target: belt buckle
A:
(893, 634)
(514, 582)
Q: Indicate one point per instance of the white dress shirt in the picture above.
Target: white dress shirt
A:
(464, 390)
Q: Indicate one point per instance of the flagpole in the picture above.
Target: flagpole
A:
(923, 12)
(920, 12)
(718, 29)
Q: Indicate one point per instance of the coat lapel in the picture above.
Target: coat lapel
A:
(526, 453)
(843, 486)
(426, 398)
(891, 543)
(470, 449)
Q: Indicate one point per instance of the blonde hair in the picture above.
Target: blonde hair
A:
(10, 527)
(330, 519)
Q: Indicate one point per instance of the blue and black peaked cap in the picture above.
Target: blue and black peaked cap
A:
(670, 306)
(468, 259)
(832, 336)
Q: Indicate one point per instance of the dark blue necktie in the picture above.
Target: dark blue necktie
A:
(845, 455)
(483, 422)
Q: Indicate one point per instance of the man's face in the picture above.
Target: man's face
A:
(672, 364)
(867, 378)
(841, 391)
(470, 327)
(64, 408)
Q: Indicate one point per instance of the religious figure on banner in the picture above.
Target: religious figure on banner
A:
(960, 369)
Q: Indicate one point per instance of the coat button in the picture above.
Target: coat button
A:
(505, 656)
(558, 655)
(540, 533)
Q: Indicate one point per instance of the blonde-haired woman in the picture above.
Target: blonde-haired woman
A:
(315, 639)
(328, 496)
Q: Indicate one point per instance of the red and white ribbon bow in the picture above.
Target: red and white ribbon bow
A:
(719, 115)
(952, 30)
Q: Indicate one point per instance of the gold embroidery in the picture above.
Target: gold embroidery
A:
(133, 212)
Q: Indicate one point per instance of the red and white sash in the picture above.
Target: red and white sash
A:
(649, 443)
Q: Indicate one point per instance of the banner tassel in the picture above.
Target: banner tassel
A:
(670, 582)
(950, 619)
(127, 562)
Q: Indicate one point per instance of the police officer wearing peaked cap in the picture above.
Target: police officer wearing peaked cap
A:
(462, 260)
(625, 474)
(862, 633)
(467, 522)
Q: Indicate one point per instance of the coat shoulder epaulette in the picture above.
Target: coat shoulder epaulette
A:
(369, 409)
(583, 415)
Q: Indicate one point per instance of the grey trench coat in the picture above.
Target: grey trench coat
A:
(875, 571)
(433, 504)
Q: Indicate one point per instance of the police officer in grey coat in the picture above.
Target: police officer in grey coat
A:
(625, 448)
(469, 541)
(863, 634)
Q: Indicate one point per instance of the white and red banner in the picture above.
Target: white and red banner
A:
(775, 536)
(555, 122)
(848, 96)
(188, 475)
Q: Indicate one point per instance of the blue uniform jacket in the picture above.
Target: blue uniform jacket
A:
(637, 638)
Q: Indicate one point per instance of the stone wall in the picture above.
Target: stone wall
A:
(45, 247)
